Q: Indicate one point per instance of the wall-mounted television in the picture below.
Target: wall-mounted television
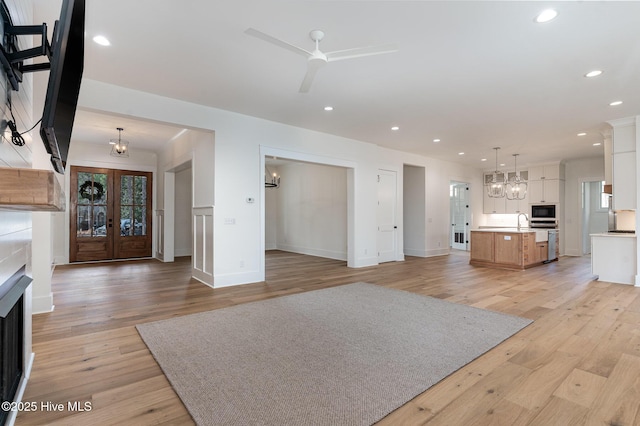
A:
(67, 64)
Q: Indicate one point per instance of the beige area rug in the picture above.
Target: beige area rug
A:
(346, 355)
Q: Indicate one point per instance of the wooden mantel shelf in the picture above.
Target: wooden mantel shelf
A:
(30, 189)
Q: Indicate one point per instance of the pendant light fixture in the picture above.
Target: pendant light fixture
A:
(119, 148)
(271, 180)
(516, 186)
(496, 187)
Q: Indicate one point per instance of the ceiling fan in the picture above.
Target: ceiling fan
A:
(316, 59)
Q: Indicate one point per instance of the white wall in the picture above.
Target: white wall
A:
(312, 210)
(414, 192)
(438, 176)
(240, 143)
(577, 172)
(194, 148)
(183, 215)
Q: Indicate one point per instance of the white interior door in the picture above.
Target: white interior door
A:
(459, 216)
(387, 225)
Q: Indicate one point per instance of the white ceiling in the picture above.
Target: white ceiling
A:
(474, 74)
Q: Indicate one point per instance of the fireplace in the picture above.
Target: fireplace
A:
(15, 305)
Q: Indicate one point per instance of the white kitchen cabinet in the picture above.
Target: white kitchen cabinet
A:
(544, 191)
(624, 181)
(623, 158)
(624, 136)
(493, 205)
(550, 171)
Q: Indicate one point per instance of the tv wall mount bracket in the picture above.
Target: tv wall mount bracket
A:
(12, 58)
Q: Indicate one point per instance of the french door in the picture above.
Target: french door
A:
(110, 214)
(459, 197)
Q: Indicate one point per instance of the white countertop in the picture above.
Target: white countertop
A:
(614, 235)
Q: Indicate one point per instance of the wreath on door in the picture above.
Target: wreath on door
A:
(91, 190)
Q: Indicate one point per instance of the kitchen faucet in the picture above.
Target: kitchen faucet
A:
(525, 216)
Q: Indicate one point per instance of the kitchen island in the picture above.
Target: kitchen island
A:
(511, 248)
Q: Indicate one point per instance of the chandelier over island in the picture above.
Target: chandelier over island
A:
(506, 184)
(516, 187)
(496, 187)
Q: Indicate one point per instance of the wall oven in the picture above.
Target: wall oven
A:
(543, 216)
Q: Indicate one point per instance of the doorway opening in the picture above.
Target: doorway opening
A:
(595, 212)
(307, 212)
(414, 211)
(333, 238)
(460, 215)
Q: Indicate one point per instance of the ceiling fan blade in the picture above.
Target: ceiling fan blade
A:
(312, 68)
(266, 37)
(360, 52)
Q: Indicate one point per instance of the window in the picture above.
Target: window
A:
(604, 198)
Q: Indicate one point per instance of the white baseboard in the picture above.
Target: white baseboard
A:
(330, 254)
(437, 252)
(363, 262)
(182, 252)
(228, 280)
(415, 252)
(42, 304)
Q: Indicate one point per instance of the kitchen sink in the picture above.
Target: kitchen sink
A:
(542, 236)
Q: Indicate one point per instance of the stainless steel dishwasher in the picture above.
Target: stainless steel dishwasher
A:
(552, 245)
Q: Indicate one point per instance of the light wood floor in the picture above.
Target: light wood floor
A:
(578, 363)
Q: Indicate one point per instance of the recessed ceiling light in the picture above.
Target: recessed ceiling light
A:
(502, 164)
(484, 159)
(328, 108)
(102, 40)
(615, 103)
(597, 144)
(436, 140)
(395, 128)
(593, 73)
(546, 16)
(582, 134)
(461, 153)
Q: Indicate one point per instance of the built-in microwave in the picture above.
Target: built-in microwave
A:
(543, 211)
(543, 216)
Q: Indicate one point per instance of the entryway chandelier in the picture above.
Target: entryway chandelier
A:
(496, 187)
(516, 186)
(271, 180)
(119, 148)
